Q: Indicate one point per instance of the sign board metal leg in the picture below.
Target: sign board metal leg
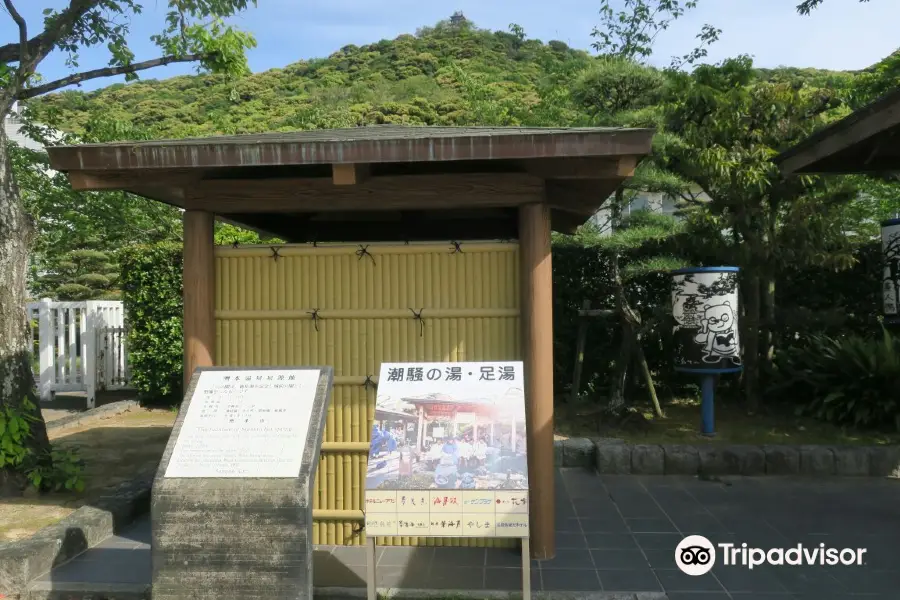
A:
(370, 568)
(526, 569)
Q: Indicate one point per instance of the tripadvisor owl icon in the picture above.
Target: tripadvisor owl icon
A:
(695, 555)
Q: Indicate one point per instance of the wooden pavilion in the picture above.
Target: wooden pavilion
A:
(245, 306)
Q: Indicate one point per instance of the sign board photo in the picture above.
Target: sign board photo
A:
(448, 456)
(247, 423)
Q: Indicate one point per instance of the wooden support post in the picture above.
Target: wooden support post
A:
(199, 292)
(580, 341)
(537, 346)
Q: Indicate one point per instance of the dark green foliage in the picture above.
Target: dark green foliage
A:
(79, 275)
(411, 79)
(152, 293)
(817, 301)
(849, 380)
(612, 85)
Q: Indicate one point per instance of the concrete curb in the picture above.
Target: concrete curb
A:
(25, 560)
(107, 410)
(50, 591)
(612, 456)
(410, 594)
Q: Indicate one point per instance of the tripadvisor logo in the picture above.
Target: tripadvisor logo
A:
(695, 555)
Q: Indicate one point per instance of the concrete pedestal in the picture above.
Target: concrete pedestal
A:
(237, 537)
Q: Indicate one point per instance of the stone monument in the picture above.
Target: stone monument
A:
(232, 500)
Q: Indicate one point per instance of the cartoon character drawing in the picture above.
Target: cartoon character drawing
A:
(717, 333)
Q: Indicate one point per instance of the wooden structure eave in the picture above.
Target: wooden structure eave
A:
(414, 183)
(866, 141)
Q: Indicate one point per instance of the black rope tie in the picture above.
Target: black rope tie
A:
(456, 248)
(275, 254)
(235, 244)
(364, 251)
(406, 242)
(314, 313)
(359, 527)
(369, 382)
(418, 317)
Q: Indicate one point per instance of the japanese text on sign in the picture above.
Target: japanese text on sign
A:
(245, 424)
(449, 514)
(484, 373)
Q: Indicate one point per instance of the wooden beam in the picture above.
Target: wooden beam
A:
(118, 180)
(409, 227)
(566, 221)
(581, 195)
(199, 293)
(537, 346)
(349, 173)
(582, 167)
(172, 195)
(627, 165)
(379, 193)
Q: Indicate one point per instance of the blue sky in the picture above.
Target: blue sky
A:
(842, 34)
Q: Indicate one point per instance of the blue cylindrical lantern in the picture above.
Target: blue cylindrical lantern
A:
(707, 341)
(890, 281)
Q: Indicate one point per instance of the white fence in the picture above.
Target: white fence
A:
(80, 347)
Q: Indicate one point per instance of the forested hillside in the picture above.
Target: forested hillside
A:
(449, 74)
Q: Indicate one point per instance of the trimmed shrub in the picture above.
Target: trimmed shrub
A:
(152, 294)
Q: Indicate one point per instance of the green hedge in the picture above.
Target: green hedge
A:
(151, 283)
(810, 302)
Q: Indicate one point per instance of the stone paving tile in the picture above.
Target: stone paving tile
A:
(629, 580)
(673, 580)
(449, 577)
(618, 533)
(110, 565)
(416, 558)
(567, 580)
(566, 541)
(663, 525)
(462, 557)
(737, 579)
(509, 579)
(603, 541)
(604, 525)
(619, 559)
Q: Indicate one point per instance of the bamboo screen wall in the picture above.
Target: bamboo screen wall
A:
(352, 307)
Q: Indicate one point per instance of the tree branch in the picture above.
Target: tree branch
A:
(106, 72)
(23, 28)
(38, 47)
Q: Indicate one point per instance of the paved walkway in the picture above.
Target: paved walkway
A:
(618, 534)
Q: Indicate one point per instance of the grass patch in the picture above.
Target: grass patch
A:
(114, 450)
(733, 426)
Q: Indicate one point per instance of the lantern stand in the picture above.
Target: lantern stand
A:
(890, 281)
(705, 309)
(707, 403)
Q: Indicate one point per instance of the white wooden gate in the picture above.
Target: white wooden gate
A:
(80, 347)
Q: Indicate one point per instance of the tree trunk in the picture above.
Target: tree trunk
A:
(617, 397)
(751, 340)
(648, 377)
(16, 378)
(767, 344)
